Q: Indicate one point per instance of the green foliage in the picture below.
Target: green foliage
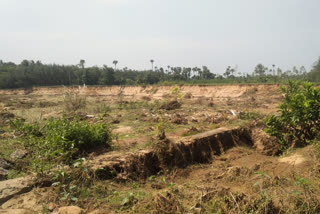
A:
(299, 117)
(29, 73)
(62, 140)
(75, 185)
(161, 128)
(314, 75)
(176, 93)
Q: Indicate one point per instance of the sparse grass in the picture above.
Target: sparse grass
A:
(191, 190)
(74, 102)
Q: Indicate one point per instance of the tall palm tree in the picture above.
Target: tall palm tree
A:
(273, 69)
(152, 61)
(168, 69)
(82, 62)
(115, 62)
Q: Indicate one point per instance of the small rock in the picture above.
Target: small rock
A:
(70, 210)
(18, 154)
(4, 164)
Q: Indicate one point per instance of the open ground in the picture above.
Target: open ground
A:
(175, 149)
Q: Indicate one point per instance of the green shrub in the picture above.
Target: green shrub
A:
(64, 140)
(299, 119)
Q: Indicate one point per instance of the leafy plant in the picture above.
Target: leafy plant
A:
(73, 184)
(62, 140)
(176, 93)
(263, 177)
(161, 128)
(299, 119)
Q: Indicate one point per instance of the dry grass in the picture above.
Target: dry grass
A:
(228, 185)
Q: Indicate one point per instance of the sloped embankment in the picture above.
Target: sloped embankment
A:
(154, 92)
(200, 148)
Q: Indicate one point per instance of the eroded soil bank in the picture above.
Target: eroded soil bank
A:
(222, 91)
(200, 148)
(216, 158)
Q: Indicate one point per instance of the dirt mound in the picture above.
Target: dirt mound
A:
(5, 116)
(178, 119)
(167, 203)
(13, 187)
(294, 159)
(29, 201)
(171, 105)
(264, 143)
(156, 92)
(200, 148)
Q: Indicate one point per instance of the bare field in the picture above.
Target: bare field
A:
(176, 149)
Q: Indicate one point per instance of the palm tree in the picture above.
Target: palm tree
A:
(273, 69)
(82, 61)
(81, 64)
(152, 61)
(168, 69)
(115, 62)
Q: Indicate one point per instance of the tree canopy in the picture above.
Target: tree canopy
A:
(34, 73)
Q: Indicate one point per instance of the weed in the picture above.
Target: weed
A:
(102, 109)
(74, 102)
(176, 93)
(250, 115)
(160, 129)
(62, 140)
(252, 91)
(264, 179)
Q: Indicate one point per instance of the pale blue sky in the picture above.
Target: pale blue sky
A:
(216, 33)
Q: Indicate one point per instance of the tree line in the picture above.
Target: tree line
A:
(34, 73)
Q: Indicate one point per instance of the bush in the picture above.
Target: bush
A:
(74, 102)
(63, 140)
(299, 119)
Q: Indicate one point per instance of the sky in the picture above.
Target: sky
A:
(186, 33)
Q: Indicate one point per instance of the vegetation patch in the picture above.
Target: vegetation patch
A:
(62, 140)
(298, 121)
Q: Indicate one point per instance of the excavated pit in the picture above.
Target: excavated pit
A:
(200, 148)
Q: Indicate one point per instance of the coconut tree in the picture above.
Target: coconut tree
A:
(81, 64)
(152, 61)
(274, 69)
(115, 62)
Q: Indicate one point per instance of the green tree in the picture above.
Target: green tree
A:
(314, 75)
(299, 119)
(152, 61)
(115, 62)
(260, 70)
(82, 62)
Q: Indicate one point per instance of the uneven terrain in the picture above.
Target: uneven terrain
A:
(176, 149)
